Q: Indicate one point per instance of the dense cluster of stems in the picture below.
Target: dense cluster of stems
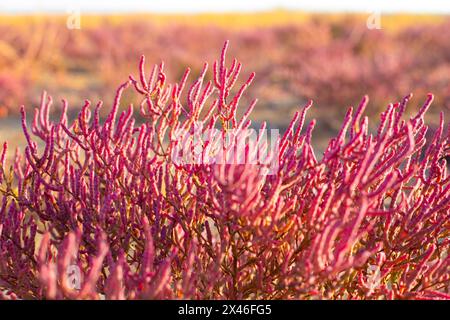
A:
(368, 219)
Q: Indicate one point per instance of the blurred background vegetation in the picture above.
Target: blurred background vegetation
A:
(333, 59)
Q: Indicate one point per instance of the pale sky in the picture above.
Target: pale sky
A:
(186, 6)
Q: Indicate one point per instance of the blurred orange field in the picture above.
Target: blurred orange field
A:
(391, 22)
(333, 59)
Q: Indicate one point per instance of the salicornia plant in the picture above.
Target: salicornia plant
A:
(97, 208)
